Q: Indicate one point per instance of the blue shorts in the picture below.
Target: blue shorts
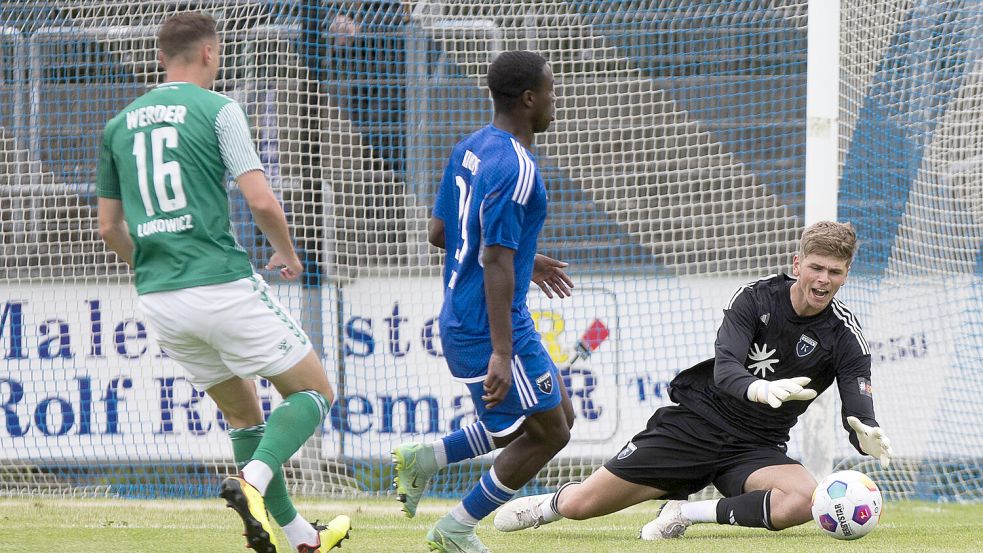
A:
(535, 388)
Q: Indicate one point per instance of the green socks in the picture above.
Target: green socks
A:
(244, 444)
(264, 448)
(289, 426)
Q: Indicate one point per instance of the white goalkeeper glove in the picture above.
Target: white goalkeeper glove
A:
(872, 440)
(776, 392)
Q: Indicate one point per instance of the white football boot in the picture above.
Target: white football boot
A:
(668, 525)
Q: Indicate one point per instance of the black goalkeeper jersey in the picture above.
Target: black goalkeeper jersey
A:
(762, 337)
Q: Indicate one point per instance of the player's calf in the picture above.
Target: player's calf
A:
(751, 510)
(789, 509)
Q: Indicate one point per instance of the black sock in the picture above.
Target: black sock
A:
(752, 509)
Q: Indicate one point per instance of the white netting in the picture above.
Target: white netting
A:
(675, 172)
(911, 182)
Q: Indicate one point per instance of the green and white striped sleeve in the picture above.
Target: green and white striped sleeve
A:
(238, 151)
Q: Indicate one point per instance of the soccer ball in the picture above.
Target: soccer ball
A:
(846, 505)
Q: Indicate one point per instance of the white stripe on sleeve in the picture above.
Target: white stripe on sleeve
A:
(238, 151)
(851, 323)
(527, 176)
(748, 286)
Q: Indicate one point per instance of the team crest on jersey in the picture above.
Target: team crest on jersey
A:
(545, 383)
(805, 346)
(628, 450)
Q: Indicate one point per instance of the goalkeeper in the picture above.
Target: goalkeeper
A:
(783, 340)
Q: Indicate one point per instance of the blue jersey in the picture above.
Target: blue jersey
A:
(491, 195)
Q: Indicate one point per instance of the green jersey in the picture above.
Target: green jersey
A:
(165, 156)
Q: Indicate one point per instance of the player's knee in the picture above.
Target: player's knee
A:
(570, 420)
(328, 395)
(559, 437)
(314, 400)
(323, 389)
(568, 412)
(552, 438)
(547, 432)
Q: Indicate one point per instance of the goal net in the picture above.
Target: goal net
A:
(675, 172)
(910, 179)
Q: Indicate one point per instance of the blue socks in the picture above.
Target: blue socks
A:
(487, 496)
(467, 443)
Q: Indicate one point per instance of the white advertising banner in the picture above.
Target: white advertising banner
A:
(82, 376)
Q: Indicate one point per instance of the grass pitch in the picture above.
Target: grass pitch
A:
(164, 526)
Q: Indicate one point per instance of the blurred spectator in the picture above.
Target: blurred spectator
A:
(356, 50)
(342, 31)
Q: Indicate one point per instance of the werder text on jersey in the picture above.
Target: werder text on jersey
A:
(150, 115)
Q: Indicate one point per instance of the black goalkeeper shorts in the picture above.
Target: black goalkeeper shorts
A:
(680, 453)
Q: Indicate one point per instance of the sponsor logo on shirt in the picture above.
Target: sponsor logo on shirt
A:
(865, 388)
(761, 356)
(805, 346)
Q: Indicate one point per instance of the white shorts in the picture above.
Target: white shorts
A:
(223, 330)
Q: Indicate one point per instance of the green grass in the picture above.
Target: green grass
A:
(128, 526)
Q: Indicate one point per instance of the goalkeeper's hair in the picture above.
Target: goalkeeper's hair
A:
(182, 33)
(513, 73)
(830, 238)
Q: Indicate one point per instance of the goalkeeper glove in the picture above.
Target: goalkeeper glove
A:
(872, 440)
(776, 392)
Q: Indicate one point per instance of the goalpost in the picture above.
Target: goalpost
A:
(821, 192)
(693, 143)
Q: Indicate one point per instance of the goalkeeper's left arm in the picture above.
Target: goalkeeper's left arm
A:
(870, 440)
(856, 392)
